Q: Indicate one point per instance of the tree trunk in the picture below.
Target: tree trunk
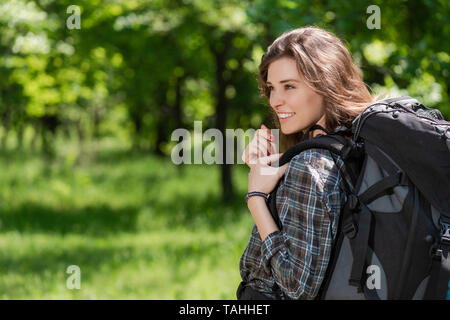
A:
(164, 117)
(20, 131)
(137, 121)
(6, 125)
(221, 113)
(178, 110)
(35, 139)
(161, 129)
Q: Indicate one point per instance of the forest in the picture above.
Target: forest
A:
(91, 93)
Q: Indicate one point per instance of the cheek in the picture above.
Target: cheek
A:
(314, 102)
(306, 101)
(314, 99)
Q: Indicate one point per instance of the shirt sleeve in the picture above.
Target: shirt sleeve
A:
(298, 255)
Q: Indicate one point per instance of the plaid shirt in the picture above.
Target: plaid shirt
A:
(309, 200)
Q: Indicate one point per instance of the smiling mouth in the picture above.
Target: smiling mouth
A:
(285, 115)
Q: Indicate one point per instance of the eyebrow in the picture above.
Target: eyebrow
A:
(283, 81)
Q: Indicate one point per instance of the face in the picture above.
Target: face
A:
(298, 107)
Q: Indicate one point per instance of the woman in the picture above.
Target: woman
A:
(309, 78)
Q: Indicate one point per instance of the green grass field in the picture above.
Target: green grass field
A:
(137, 226)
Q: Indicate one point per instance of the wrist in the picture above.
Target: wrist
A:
(255, 201)
(260, 194)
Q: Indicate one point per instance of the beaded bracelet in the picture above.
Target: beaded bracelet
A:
(256, 193)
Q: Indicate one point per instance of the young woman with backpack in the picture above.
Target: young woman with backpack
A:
(311, 84)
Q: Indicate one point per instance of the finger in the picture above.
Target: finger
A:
(270, 145)
(264, 145)
(265, 129)
(258, 146)
(268, 142)
(270, 159)
(266, 134)
(250, 153)
(262, 152)
(282, 169)
(255, 154)
(255, 148)
(273, 148)
(267, 170)
(269, 132)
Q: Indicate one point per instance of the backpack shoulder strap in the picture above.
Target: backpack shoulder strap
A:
(350, 151)
(332, 142)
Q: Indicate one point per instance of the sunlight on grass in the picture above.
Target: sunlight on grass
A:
(136, 225)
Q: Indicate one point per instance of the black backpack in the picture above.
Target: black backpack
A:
(393, 238)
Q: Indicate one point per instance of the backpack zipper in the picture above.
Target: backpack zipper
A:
(441, 122)
(398, 106)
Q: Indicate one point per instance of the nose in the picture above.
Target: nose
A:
(276, 100)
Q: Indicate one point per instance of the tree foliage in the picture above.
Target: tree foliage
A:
(140, 69)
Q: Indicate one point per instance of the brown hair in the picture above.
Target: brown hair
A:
(327, 67)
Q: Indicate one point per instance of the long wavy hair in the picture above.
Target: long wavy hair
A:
(327, 67)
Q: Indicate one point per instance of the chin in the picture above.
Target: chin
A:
(288, 131)
(285, 132)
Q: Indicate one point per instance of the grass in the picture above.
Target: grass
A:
(137, 226)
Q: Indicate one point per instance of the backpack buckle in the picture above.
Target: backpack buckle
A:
(445, 233)
(436, 252)
(350, 229)
(443, 247)
(352, 201)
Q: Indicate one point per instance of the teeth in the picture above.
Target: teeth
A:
(285, 115)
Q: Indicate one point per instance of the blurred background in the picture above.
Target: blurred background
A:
(87, 115)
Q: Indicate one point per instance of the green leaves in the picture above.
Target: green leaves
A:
(153, 58)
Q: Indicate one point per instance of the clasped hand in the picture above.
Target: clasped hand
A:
(262, 177)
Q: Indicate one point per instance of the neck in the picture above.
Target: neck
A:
(315, 132)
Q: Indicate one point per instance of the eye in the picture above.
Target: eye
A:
(269, 88)
(288, 86)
